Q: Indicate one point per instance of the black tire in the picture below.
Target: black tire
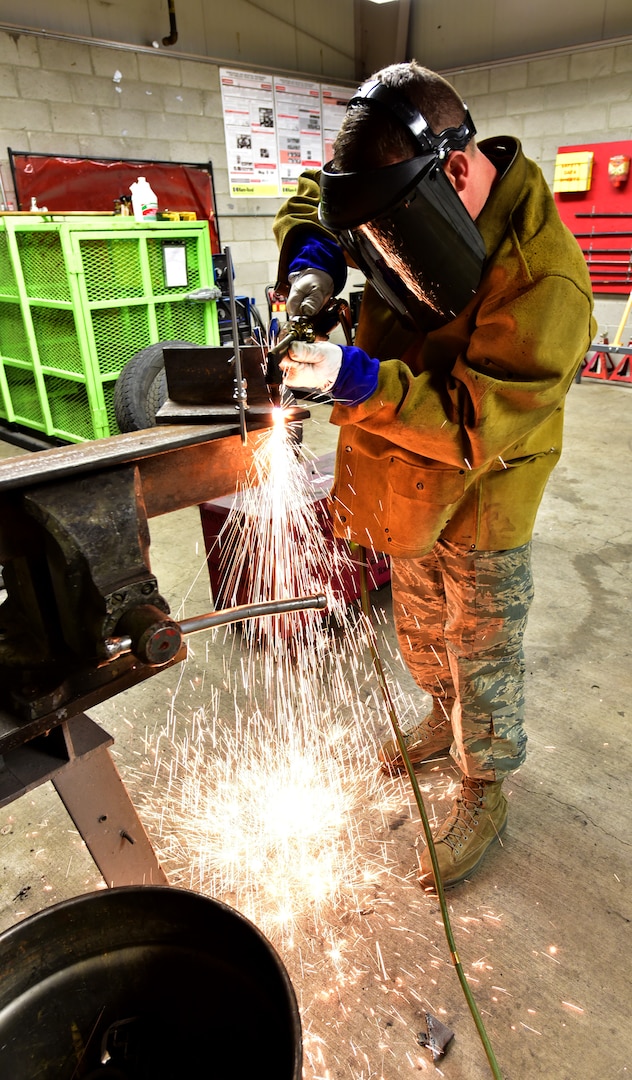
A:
(158, 393)
(257, 321)
(141, 388)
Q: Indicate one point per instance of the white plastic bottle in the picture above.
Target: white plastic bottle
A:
(144, 201)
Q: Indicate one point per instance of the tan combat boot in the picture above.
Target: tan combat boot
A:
(432, 735)
(477, 820)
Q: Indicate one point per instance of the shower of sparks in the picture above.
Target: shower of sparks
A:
(273, 545)
(267, 824)
(268, 797)
(258, 802)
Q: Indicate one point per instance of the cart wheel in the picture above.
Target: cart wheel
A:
(141, 388)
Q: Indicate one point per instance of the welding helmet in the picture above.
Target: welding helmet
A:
(404, 225)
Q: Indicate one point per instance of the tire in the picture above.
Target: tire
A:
(257, 321)
(141, 388)
(158, 393)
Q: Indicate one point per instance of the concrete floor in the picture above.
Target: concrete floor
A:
(543, 929)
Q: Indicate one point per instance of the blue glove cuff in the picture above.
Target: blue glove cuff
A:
(322, 254)
(357, 378)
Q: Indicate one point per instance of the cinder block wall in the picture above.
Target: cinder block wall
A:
(557, 100)
(65, 97)
(60, 96)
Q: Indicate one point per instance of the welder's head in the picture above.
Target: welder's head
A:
(393, 197)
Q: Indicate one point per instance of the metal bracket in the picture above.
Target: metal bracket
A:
(75, 757)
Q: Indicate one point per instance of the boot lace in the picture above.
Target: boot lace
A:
(464, 818)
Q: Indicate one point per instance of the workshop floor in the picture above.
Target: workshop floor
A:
(543, 929)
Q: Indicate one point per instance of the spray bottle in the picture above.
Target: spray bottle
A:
(144, 201)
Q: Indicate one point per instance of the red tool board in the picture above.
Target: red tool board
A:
(601, 219)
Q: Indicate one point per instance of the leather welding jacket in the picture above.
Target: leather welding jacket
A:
(465, 426)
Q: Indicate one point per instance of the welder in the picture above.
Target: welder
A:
(476, 314)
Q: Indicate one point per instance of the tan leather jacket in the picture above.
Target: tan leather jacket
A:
(465, 426)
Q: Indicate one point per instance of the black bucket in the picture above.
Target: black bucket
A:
(144, 983)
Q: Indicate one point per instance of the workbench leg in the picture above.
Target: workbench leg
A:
(94, 795)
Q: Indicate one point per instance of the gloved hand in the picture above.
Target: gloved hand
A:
(312, 367)
(310, 290)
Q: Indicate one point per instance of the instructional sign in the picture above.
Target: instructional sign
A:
(250, 130)
(334, 101)
(276, 128)
(299, 129)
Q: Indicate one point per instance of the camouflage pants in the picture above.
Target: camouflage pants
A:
(460, 617)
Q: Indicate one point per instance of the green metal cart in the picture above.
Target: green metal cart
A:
(79, 296)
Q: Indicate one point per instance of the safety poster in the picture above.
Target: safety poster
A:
(276, 128)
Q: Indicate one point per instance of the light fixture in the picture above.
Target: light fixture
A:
(381, 1)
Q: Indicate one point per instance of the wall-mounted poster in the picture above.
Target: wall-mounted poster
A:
(276, 128)
(334, 105)
(299, 134)
(250, 131)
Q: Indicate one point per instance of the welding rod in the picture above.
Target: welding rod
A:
(251, 611)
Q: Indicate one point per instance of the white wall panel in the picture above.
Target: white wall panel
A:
(442, 32)
(450, 33)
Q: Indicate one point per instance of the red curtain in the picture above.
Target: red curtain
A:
(88, 184)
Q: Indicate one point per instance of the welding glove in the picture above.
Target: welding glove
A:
(344, 371)
(310, 289)
(312, 367)
(316, 270)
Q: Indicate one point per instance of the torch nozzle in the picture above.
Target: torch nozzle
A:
(274, 375)
(302, 328)
(274, 393)
(299, 329)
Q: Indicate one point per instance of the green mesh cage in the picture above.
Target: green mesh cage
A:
(43, 265)
(70, 409)
(108, 394)
(4, 399)
(24, 398)
(14, 340)
(57, 341)
(112, 268)
(181, 322)
(96, 293)
(8, 284)
(118, 333)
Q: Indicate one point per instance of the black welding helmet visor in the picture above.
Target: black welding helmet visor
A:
(405, 227)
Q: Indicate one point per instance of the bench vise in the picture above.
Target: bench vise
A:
(84, 617)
